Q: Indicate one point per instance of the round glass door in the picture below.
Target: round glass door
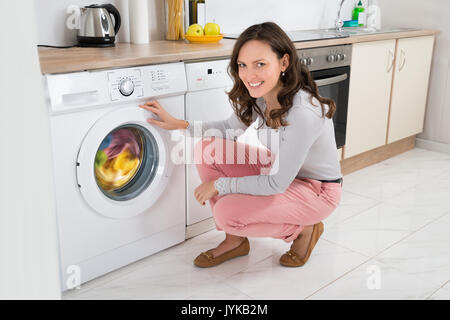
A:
(126, 162)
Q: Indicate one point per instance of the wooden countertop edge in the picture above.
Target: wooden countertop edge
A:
(128, 55)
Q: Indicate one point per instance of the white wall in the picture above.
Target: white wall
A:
(51, 18)
(433, 15)
(28, 239)
(234, 16)
(51, 21)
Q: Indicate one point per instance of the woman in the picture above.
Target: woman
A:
(271, 86)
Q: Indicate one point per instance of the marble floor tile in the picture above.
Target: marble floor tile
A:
(442, 293)
(159, 281)
(395, 175)
(426, 253)
(111, 276)
(420, 157)
(219, 290)
(389, 181)
(376, 281)
(377, 228)
(431, 196)
(351, 204)
(269, 280)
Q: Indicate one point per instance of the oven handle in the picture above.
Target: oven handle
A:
(327, 81)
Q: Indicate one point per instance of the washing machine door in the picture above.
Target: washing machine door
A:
(123, 164)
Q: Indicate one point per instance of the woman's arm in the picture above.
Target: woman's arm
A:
(304, 128)
(230, 128)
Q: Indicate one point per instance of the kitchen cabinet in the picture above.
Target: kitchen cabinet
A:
(410, 88)
(369, 94)
(388, 92)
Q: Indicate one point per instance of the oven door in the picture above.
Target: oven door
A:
(334, 83)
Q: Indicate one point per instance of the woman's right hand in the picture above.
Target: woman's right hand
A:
(167, 121)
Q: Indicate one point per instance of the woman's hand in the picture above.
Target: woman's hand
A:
(167, 121)
(205, 191)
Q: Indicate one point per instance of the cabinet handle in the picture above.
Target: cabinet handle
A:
(402, 64)
(391, 60)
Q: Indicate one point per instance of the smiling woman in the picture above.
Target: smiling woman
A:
(285, 189)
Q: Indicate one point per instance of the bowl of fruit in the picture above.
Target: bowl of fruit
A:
(209, 34)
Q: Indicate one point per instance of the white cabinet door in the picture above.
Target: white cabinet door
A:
(369, 93)
(208, 105)
(409, 92)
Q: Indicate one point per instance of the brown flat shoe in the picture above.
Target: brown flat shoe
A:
(291, 259)
(206, 259)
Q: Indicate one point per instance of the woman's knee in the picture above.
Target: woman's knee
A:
(226, 214)
(332, 200)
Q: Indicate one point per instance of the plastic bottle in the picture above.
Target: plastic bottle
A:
(359, 14)
(373, 15)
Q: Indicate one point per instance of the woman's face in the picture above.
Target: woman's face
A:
(259, 68)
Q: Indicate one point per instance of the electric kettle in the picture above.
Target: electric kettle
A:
(96, 26)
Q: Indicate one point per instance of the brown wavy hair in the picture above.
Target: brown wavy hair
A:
(296, 76)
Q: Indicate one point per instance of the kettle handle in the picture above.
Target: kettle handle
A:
(117, 20)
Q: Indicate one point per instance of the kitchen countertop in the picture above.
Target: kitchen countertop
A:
(127, 55)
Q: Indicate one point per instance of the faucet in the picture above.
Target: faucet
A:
(339, 23)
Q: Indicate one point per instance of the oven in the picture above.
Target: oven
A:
(330, 68)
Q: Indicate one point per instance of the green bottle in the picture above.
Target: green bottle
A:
(358, 14)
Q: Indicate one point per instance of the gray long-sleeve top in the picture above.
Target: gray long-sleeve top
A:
(306, 148)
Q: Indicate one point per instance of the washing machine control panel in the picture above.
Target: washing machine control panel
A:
(72, 91)
(124, 83)
(159, 79)
(147, 81)
(164, 79)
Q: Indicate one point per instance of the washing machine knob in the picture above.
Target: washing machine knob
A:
(126, 87)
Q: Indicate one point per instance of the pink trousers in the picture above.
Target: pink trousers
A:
(282, 216)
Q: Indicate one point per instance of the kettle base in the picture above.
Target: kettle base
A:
(96, 42)
(96, 45)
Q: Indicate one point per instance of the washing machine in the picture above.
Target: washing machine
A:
(120, 188)
(207, 100)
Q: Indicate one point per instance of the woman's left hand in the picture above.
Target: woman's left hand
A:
(205, 191)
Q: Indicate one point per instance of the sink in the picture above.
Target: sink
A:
(356, 31)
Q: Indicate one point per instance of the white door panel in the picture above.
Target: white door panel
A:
(208, 105)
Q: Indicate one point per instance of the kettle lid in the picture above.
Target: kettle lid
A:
(96, 6)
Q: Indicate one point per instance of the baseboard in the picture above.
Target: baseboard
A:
(200, 227)
(432, 145)
(379, 154)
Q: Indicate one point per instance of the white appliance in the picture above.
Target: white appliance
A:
(120, 196)
(206, 100)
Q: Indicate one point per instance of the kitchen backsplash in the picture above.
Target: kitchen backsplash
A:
(233, 16)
